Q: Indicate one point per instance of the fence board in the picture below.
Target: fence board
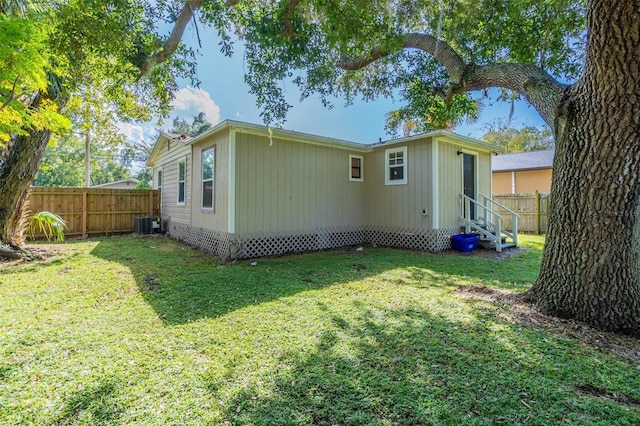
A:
(90, 211)
(532, 208)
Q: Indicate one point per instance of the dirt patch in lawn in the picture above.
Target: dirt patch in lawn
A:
(513, 308)
(487, 253)
(589, 389)
(151, 283)
(32, 253)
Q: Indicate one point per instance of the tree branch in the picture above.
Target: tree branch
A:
(439, 49)
(541, 90)
(171, 44)
(12, 94)
(288, 17)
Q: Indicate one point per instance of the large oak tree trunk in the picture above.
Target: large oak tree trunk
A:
(591, 262)
(16, 173)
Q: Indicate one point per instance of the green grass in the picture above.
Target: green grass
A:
(128, 330)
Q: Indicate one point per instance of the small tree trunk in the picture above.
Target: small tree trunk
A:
(591, 262)
(16, 174)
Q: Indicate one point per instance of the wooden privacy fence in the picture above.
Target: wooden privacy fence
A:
(532, 208)
(90, 211)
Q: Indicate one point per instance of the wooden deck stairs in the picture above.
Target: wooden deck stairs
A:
(481, 217)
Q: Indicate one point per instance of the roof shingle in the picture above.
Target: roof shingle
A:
(523, 161)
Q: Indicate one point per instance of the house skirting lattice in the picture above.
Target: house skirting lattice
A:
(432, 240)
(207, 240)
(259, 244)
(270, 243)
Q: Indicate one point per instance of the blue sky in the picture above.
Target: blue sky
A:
(223, 94)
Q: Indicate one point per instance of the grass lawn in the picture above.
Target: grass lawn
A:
(143, 330)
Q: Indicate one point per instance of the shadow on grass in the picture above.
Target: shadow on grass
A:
(183, 284)
(95, 406)
(385, 367)
(28, 267)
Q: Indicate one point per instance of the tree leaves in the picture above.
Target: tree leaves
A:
(24, 61)
(301, 42)
(519, 139)
(198, 125)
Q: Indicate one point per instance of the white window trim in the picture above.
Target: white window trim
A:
(361, 178)
(387, 152)
(159, 178)
(184, 182)
(213, 180)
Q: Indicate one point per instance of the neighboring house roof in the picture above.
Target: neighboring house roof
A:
(126, 181)
(277, 133)
(167, 136)
(523, 161)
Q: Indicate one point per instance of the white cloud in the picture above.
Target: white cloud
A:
(133, 133)
(190, 98)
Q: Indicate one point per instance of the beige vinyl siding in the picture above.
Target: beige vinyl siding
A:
(168, 162)
(450, 180)
(450, 183)
(216, 219)
(400, 206)
(293, 186)
(484, 173)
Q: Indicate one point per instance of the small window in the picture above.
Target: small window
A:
(181, 182)
(159, 180)
(208, 173)
(355, 168)
(396, 166)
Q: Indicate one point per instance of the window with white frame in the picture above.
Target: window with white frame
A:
(355, 168)
(182, 172)
(208, 173)
(395, 166)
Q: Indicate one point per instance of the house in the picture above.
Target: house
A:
(242, 190)
(523, 172)
(120, 184)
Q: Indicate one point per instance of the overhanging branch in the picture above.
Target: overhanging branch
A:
(439, 49)
(172, 43)
(541, 90)
(288, 17)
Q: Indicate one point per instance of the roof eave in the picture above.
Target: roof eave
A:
(449, 137)
(522, 169)
(277, 133)
(154, 151)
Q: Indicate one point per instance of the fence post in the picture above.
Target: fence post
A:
(536, 217)
(84, 213)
